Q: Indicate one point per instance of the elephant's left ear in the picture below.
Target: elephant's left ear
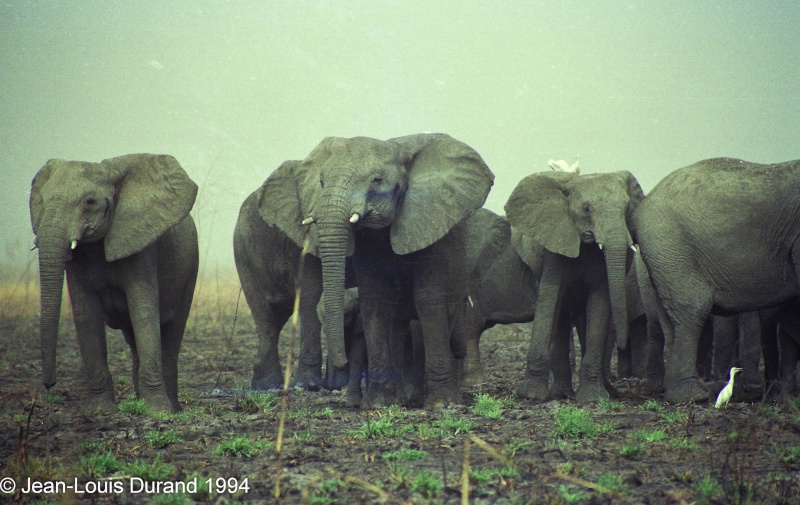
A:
(635, 195)
(447, 182)
(36, 200)
(153, 194)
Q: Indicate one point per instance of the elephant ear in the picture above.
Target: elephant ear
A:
(153, 194)
(530, 251)
(447, 182)
(635, 195)
(538, 207)
(279, 202)
(36, 199)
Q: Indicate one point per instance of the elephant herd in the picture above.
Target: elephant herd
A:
(402, 220)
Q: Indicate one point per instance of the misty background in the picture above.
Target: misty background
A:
(232, 89)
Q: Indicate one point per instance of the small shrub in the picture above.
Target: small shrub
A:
(449, 424)
(161, 439)
(571, 497)
(650, 436)
(609, 404)
(54, 397)
(381, 428)
(95, 464)
(707, 488)
(253, 402)
(241, 447)
(152, 472)
(651, 405)
(611, 481)
(132, 407)
(487, 406)
(406, 455)
(427, 485)
(575, 423)
(632, 451)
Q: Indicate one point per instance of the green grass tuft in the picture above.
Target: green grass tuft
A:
(161, 439)
(575, 423)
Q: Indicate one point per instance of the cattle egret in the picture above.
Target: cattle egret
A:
(727, 391)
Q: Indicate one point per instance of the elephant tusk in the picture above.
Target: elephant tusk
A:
(73, 245)
(470, 301)
(600, 246)
(633, 248)
(307, 221)
(354, 218)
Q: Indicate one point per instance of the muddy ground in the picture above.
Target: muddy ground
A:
(636, 449)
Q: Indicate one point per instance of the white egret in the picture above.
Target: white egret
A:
(727, 391)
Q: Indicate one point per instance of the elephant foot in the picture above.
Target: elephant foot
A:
(560, 391)
(654, 386)
(99, 403)
(336, 379)
(612, 391)
(379, 399)
(441, 398)
(689, 392)
(473, 378)
(160, 403)
(307, 378)
(591, 393)
(270, 380)
(353, 398)
(532, 389)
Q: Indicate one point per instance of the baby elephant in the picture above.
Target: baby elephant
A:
(355, 347)
(122, 231)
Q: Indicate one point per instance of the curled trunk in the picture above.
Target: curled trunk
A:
(52, 254)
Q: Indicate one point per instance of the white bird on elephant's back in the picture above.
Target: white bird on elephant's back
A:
(727, 391)
(563, 166)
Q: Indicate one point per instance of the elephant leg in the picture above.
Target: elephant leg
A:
(560, 358)
(440, 377)
(471, 367)
(269, 319)
(769, 348)
(357, 361)
(637, 343)
(127, 332)
(414, 366)
(548, 307)
(171, 338)
(750, 350)
(726, 337)
(611, 340)
(598, 317)
(624, 361)
(309, 359)
(659, 331)
(682, 383)
(90, 331)
(790, 354)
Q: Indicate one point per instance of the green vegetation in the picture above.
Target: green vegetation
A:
(384, 427)
(153, 472)
(649, 436)
(487, 406)
(172, 499)
(98, 463)
(651, 405)
(241, 447)
(569, 497)
(406, 455)
(684, 443)
(54, 397)
(161, 439)
(674, 417)
(132, 407)
(427, 485)
(611, 481)
(326, 491)
(707, 488)
(575, 423)
(632, 451)
(304, 436)
(789, 454)
(609, 404)
(252, 402)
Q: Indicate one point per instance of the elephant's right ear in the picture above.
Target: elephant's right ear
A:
(36, 200)
(538, 207)
(279, 202)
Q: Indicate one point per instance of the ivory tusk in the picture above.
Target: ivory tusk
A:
(74, 244)
(633, 248)
(354, 218)
(600, 246)
(307, 221)
(470, 301)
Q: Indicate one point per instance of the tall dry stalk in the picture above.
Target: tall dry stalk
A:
(287, 375)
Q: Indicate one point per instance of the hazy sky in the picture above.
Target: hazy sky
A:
(232, 89)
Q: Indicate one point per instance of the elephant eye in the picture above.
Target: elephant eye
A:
(376, 180)
(587, 209)
(90, 202)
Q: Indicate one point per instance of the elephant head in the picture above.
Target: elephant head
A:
(418, 187)
(560, 211)
(127, 202)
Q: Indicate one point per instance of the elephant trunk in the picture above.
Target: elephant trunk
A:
(333, 235)
(52, 255)
(616, 257)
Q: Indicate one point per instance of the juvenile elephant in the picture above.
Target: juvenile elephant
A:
(579, 226)
(121, 228)
(268, 264)
(718, 237)
(397, 207)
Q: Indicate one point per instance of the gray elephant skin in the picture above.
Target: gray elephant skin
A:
(122, 231)
(268, 264)
(577, 226)
(718, 237)
(397, 207)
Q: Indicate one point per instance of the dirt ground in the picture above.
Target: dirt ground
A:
(635, 449)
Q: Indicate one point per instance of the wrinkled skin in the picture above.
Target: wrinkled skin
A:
(780, 343)
(631, 361)
(268, 264)
(564, 219)
(121, 229)
(708, 235)
(396, 207)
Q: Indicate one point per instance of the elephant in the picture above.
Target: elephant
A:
(122, 231)
(397, 207)
(718, 237)
(579, 226)
(503, 289)
(630, 360)
(268, 264)
(780, 344)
